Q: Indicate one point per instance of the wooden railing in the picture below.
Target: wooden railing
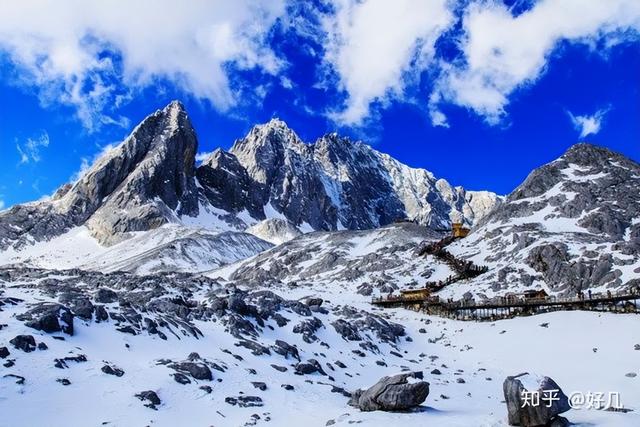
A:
(510, 302)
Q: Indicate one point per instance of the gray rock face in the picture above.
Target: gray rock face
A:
(521, 412)
(393, 393)
(150, 397)
(139, 185)
(353, 186)
(49, 318)
(573, 221)
(25, 343)
(150, 179)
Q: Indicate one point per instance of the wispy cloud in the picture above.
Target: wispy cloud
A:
(588, 124)
(503, 52)
(94, 55)
(500, 48)
(375, 46)
(1, 204)
(201, 157)
(30, 150)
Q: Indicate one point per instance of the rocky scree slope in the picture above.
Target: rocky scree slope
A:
(572, 225)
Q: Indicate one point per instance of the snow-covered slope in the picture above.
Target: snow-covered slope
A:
(274, 230)
(172, 248)
(573, 224)
(364, 261)
(204, 349)
(177, 249)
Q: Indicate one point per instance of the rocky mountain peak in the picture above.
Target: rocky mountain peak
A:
(144, 182)
(586, 154)
(262, 151)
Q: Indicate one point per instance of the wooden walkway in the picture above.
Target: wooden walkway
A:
(505, 307)
(627, 301)
(463, 269)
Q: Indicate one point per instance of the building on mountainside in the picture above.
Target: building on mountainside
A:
(416, 294)
(459, 230)
(528, 295)
(534, 294)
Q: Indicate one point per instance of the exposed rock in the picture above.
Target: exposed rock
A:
(181, 378)
(62, 362)
(308, 328)
(150, 397)
(112, 370)
(199, 371)
(285, 349)
(19, 379)
(259, 385)
(245, 401)
(309, 367)
(25, 343)
(48, 317)
(4, 352)
(314, 301)
(392, 393)
(526, 415)
(105, 296)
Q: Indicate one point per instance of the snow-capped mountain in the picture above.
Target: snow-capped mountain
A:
(572, 224)
(332, 184)
(139, 185)
(174, 299)
(151, 180)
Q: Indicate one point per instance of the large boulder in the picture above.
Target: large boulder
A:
(49, 318)
(25, 343)
(524, 410)
(395, 393)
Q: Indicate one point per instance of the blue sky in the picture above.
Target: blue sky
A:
(478, 92)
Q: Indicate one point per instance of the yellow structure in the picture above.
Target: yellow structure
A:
(458, 230)
(418, 294)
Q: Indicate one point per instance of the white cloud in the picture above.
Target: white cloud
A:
(30, 150)
(588, 125)
(1, 205)
(201, 157)
(374, 46)
(503, 52)
(58, 48)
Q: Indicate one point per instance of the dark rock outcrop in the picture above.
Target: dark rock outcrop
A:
(139, 185)
(25, 343)
(150, 397)
(393, 393)
(521, 410)
(49, 318)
